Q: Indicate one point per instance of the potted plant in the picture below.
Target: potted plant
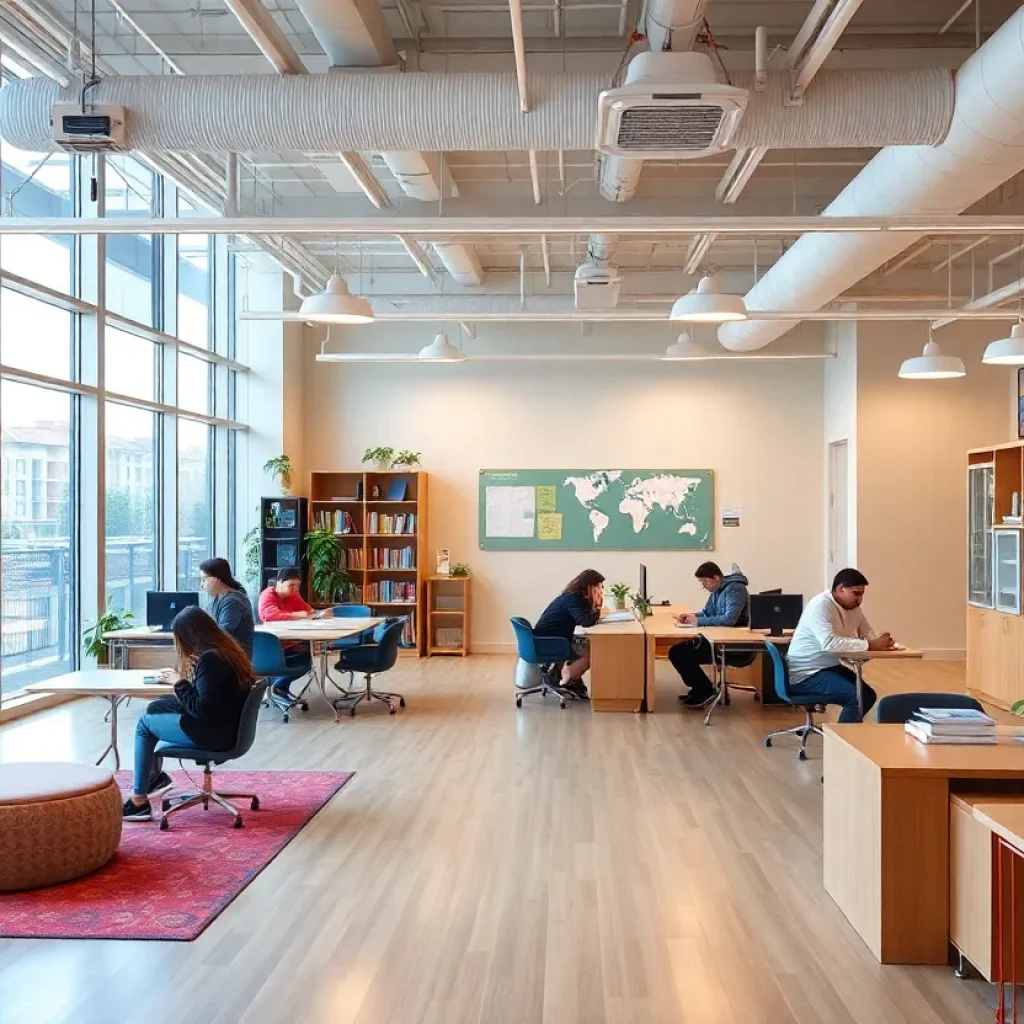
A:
(406, 459)
(459, 569)
(619, 592)
(280, 468)
(112, 618)
(251, 552)
(324, 551)
(383, 457)
(640, 605)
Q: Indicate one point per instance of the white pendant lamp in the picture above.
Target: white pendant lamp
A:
(1007, 351)
(336, 305)
(684, 347)
(709, 304)
(441, 350)
(932, 364)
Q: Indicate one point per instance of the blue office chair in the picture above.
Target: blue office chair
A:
(546, 652)
(898, 707)
(268, 663)
(370, 660)
(208, 758)
(808, 703)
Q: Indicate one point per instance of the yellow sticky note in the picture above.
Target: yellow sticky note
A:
(547, 499)
(549, 526)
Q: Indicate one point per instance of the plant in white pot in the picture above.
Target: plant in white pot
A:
(406, 460)
(381, 456)
(619, 592)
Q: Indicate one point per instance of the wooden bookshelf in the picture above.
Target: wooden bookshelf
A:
(341, 492)
(448, 608)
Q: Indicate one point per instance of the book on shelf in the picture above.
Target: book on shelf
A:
(380, 524)
(397, 490)
(336, 520)
(287, 554)
(951, 726)
(390, 592)
(1013, 520)
(352, 558)
(392, 558)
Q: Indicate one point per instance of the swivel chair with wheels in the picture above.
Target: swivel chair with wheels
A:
(548, 653)
(899, 707)
(208, 758)
(808, 704)
(268, 662)
(370, 660)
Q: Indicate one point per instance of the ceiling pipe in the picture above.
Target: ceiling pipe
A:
(816, 40)
(983, 149)
(515, 9)
(259, 23)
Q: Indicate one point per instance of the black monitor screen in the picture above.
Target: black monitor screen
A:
(643, 582)
(775, 612)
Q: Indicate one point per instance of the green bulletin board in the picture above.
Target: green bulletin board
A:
(591, 509)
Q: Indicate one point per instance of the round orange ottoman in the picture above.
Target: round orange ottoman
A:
(57, 822)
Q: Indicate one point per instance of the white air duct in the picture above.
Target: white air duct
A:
(461, 261)
(984, 148)
(438, 112)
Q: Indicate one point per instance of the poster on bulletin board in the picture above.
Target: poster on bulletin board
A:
(592, 509)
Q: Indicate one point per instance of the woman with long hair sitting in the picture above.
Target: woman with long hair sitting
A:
(230, 607)
(214, 680)
(580, 604)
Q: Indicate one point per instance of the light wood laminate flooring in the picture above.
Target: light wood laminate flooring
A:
(509, 867)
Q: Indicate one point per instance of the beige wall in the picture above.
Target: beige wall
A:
(840, 424)
(912, 437)
(757, 425)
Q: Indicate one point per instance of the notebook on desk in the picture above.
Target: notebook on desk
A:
(618, 617)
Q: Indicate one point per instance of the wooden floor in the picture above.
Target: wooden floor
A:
(504, 867)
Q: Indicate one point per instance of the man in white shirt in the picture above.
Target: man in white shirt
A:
(831, 624)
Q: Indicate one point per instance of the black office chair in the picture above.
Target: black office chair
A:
(807, 703)
(370, 660)
(268, 662)
(208, 758)
(897, 708)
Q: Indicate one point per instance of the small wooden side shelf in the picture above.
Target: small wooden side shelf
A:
(448, 612)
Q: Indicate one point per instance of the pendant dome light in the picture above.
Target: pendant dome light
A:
(683, 348)
(1007, 351)
(336, 305)
(932, 364)
(709, 304)
(441, 350)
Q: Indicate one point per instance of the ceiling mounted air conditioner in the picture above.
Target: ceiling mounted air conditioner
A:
(596, 285)
(94, 128)
(671, 107)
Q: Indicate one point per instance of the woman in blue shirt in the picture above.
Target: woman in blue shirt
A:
(580, 604)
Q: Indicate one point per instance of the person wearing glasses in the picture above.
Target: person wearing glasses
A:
(230, 607)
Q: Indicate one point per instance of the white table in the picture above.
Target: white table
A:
(320, 634)
(115, 687)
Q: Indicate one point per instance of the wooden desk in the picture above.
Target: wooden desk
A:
(886, 831)
(121, 643)
(115, 687)
(617, 666)
(857, 658)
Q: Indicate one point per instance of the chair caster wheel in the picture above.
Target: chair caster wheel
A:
(562, 704)
(164, 824)
(254, 804)
(304, 706)
(238, 822)
(284, 719)
(767, 742)
(757, 698)
(166, 805)
(802, 755)
(519, 702)
(401, 702)
(391, 711)
(351, 712)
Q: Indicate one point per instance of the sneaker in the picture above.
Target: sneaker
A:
(136, 812)
(578, 689)
(697, 701)
(159, 782)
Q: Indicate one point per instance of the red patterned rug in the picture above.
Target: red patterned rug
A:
(171, 885)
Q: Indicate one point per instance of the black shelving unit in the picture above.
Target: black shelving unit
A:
(283, 525)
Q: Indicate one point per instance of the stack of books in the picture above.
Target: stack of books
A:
(952, 725)
(381, 524)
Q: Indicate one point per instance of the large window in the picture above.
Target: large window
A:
(193, 383)
(131, 259)
(132, 549)
(193, 281)
(195, 500)
(35, 335)
(38, 526)
(130, 365)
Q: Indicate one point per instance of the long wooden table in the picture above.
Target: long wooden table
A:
(887, 831)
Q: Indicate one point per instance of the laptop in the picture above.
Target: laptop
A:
(163, 605)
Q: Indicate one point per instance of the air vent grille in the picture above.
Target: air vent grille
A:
(644, 129)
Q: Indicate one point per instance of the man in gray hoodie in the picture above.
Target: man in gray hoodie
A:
(728, 604)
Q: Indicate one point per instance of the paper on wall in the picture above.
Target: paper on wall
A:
(549, 526)
(510, 512)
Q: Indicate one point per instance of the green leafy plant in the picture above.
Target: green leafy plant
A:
(323, 551)
(251, 551)
(279, 468)
(1017, 708)
(382, 456)
(619, 592)
(640, 605)
(460, 569)
(112, 618)
(407, 459)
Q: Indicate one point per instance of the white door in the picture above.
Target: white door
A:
(838, 508)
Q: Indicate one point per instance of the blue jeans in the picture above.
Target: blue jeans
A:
(150, 730)
(837, 686)
(298, 658)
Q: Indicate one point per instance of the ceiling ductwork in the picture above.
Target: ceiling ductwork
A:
(983, 149)
(436, 112)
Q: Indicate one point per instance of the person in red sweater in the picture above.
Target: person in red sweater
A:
(280, 602)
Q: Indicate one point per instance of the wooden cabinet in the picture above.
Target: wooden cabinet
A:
(448, 612)
(995, 656)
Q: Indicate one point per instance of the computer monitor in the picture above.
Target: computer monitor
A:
(774, 590)
(775, 612)
(643, 583)
(163, 605)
